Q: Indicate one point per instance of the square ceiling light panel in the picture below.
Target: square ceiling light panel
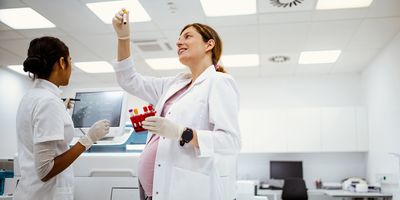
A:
(241, 60)
(164, 63)
(218, 8)
(95, 67)
(18, 68)
(106, 10)
(24, 18)
(319, 57)
(342, 4)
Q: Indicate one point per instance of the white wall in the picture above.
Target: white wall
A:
(329, 167)
(301, 91)
(382, 97)
(12, 87)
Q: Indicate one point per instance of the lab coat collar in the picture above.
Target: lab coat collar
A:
(45, 84)
(206, 73)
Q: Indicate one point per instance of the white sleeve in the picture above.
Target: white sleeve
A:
(223, 114)
(149, 89)
(48, 121)
(44, 154)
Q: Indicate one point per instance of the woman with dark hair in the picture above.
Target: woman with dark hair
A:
(44, 127)
(193, 142)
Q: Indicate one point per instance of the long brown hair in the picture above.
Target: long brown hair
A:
(208, 33)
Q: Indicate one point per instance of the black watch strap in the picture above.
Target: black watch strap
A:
(186, 137)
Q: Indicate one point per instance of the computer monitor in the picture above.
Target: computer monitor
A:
(286, 169)
(94, 105)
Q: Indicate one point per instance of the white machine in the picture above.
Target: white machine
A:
(108, 170)
(106, 176)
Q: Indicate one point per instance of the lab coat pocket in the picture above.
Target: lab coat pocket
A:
(186, 184)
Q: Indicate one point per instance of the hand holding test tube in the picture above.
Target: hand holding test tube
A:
(120, 23)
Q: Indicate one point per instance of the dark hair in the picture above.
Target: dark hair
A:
(208, 33)
(42, 54)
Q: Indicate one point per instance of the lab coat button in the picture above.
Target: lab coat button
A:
(159, 165)
(156, 192)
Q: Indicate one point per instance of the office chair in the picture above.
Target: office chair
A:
(294, 189)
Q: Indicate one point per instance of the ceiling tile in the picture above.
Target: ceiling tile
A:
(386, 8)
(375, 33)
(7, 58)
(340, 14)
(10, 35)
(278, 37)
(331, 34)
(354, 60)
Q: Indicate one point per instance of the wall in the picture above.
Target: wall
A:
(12, 88)
(382, 97)
(329, 167)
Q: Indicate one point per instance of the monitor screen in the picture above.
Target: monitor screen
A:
(286, 169)
(94, 106)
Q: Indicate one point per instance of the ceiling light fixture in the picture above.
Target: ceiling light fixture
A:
(286, 3)
(213, 8)
(18, 68)
(164, 63)
(24, 18)
(95, 67)
(106, 10)
(319, 57)
(342, 4)
(241, 60)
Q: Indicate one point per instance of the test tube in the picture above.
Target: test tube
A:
(124, 19)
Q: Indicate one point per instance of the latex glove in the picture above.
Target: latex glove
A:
(120, 28)
(97, 131)
(68, 103)
(163, 127)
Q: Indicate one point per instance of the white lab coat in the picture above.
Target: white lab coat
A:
(42, 117)
(210, 106)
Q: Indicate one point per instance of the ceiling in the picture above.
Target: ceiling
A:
(360, 33)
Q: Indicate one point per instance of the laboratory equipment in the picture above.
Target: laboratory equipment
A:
(96, 105)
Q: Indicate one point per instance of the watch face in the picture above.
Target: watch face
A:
(187, 135)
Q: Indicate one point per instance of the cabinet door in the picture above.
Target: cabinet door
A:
(125, 194)
(304, 130)
(339, 129)
(362, 129)
(263, 130)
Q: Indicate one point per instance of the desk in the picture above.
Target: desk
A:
(326, 194)
(347, 194)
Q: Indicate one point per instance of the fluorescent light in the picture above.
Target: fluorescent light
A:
(164, 63)
(24, 18)
(95, 67)
(319, 57)
(18, 68)
(241, 60)
(106, 10)
(215, 8)
(342, 4)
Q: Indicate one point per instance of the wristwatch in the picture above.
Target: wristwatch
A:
(186, 137)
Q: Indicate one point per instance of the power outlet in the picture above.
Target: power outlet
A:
(388, 179)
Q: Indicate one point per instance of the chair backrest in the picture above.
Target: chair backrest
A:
(294, 189)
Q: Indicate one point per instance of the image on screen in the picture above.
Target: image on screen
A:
(94, 106)
(286, 169)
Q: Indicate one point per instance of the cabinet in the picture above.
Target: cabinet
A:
(310, 129)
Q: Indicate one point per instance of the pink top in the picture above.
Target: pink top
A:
(148, 157)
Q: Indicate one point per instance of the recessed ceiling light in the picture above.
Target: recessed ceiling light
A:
(319, 57)
(279, 59)
(18, 68)
(215, 8)
(24, 18)
(342, 4)
(106, 10)
(241, 60)
(95, 67)
(164, 63)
